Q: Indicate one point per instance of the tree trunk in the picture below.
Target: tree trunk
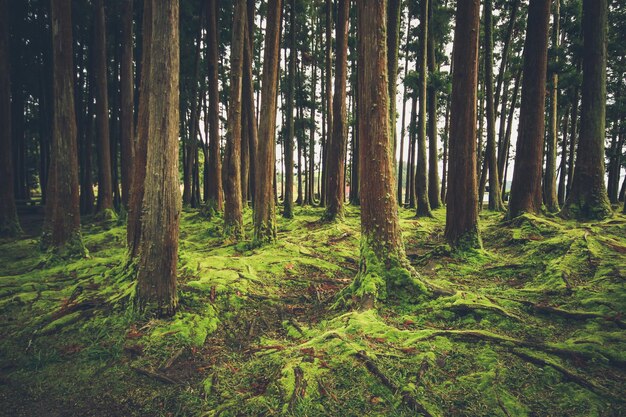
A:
(264, 194)
(573, 143)
(161, 207)
(409, 198)
(127, 105)
(462, 201)
(329, 100)
(549, 187)
(105, 182)
(337, 147)
(588, 199)
(215, 199)
(61, 230)
(394, 8)
(9, 224)
(495, 194)
(288, 139)
(383, 265)
(446, 141)
(432, 103)
(403, 131)
(248, 98)
(563, 165)
(526, 193)
(421, 175)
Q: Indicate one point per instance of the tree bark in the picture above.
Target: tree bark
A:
(61, 230)
(329, 100)
(549, 187)
(264, 204)
(394, 8)
(288, 139)
(400, 185)
(9, 223)
(588, 199)
(127, 104)
(462, 200)
(432, 103)
(526, 193)
(337, 147)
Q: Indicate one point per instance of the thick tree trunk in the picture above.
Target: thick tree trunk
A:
(549, 186)
(161, 207)
(588, 199)
(105, 182)
(337, 147)
(264, 195)
(61, 230)
(9, 224)
(526, 193)
(495, 195)
(421, 175)
(215, 198)
(127, 104)
(383, 265)
(462, 201)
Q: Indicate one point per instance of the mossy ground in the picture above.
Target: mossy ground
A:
(534, 327)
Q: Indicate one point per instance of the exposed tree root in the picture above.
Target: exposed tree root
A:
(406, 397)
(299, 387)
(154, 375)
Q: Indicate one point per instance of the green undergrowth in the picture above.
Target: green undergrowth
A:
(531, 324)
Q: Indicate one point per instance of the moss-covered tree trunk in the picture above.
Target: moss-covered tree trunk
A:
(549, 180)
(588, 199)
(215, 196)
(526, 195)
(105, 182)
(264, 202)
(421, 174)
(462, 199)
(433, 156)
(9, 224)
(161, 206)
(233, 206)
(495, 194)
(127, 102)
(61, 229)
(383, 265)
(335, 178)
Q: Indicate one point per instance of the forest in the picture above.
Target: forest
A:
(313, 208)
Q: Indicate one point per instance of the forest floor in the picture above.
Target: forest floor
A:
(535, 326)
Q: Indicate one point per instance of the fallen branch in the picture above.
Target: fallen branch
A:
(154, 375)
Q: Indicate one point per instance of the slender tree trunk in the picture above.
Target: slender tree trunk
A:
(394, 8)
(563, 165)
(446, 141)
(549, 187)
(288, 140)
(526, 193)
(161, 206)
(433, 148)
(127, 105)
(588, 199)
(248, 101)
(61, 230)
(506, 49)
(400, 185)
(9, 224)
(383, 264)
(215, 200)
(329, 101)
(409, 199)
(339, 139)
(310, 197)
(495, 195)
(421, 176)
(573, 143)
(462, 203)
(264, 205)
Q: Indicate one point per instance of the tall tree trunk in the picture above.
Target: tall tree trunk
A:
(161, 206)
(394, 8)
(61, 230)
(446, 141)
(589, 199)
(549, 186)
(462, 201)
(310, 197)
(339, 139)
(105, 182)
(526, 193)
(400, 185)
(127, 104)
(288, 139)
(573, 143)
(233, 207)
(9, 224)
(248, 98)
(421, 175)
(329, 100)
(215, 200)
(432, 103)
(409, 198)
(495, 194)
(264, 195)
(383, 264)
(563, 165)
(506, 49)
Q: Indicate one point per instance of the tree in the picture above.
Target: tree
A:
(383, 263)
(328, 75)
(161, 205)
(394, 8)
(526, 193)
(434, 197)
(588, 198)
(549, 180)
(9, 223)
(462, 197)
(126, 101)
(214, 197)
(105, 182)
(288, 139)
(421, 174)
(61, 229)
(495, 194)
(337, 147)
(264, 204)
(233, 206)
